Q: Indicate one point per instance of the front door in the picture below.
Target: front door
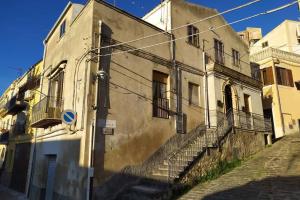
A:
(20, 167)
(228, 99)
(50, 177)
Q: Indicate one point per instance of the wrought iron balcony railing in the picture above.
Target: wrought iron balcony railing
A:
(47, 112)
(14, 105)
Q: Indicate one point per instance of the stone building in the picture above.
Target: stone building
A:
(279, 63)
(130, 98)
(16, 116)
(251, 35)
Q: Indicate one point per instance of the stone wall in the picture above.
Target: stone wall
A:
(238, 145)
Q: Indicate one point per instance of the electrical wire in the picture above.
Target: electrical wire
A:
(183, 26)
(211, 29)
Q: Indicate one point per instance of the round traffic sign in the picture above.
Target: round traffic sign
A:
(69, 117)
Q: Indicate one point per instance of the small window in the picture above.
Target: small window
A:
(194, 94)
(242, 36)
(219, 52)
(236, 61)
(265, 44)
(193, 35)
(62, 28)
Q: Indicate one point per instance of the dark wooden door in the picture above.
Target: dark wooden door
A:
(20, 167)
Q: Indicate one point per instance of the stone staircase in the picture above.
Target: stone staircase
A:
(156, 184)
(172, 167)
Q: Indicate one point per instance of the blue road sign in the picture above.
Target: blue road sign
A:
(69, 117)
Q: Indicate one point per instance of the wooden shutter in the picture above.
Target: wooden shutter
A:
(290, 78)
(268, 76)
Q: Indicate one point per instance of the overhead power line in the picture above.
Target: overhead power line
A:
(183, 26)
(211, 29)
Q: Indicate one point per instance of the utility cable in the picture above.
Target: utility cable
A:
(210, 29)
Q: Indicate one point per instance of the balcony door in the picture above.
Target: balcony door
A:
(160, 100)
(56, 90)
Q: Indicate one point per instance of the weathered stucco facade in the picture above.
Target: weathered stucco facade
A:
(279, 64)
(16, 116)
(130, 97)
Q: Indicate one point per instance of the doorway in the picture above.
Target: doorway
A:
(20, 167)
(228, 99)
(50, 177)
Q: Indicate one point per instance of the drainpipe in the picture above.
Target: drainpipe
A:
(176, 69)
(277, 92)
(206, 85)
(94, 126)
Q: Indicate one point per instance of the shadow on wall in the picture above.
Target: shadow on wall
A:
(57, 170)
(269, 188)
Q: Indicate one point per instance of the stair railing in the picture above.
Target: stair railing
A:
(181, 158)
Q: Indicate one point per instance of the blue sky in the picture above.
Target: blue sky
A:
(24, 25)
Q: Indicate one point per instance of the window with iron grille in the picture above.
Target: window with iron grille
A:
(160, 100)
(219, 51)
(284, 77)
(236, 61)
(193, 35)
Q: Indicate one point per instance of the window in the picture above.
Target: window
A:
(247, 103)
(297, 85)
(267, 75)
(56, 90)
(62, 28)
(219, 51)
(265, 44)
(284, 77)
(242, 36)
(236, 61)
(298, 34)
(160, 101)
(193, 35)
(194, 94)
(255, 71)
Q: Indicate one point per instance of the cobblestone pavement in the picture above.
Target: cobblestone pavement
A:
(274, 173)
(8, 194)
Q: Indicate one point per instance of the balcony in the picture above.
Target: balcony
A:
(275, 53)
(3, 109)
(46, 113)
(14, 105)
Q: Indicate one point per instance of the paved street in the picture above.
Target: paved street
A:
(271, 174)
(8, 194)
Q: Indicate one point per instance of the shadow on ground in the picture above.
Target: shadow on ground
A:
(269, 188)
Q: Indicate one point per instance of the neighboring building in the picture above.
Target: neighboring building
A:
(129, 104)
(251, 35)
(17, 115)
(285, 37)
(277, 54)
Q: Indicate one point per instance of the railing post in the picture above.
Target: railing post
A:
(232, 121)
(206, 142)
